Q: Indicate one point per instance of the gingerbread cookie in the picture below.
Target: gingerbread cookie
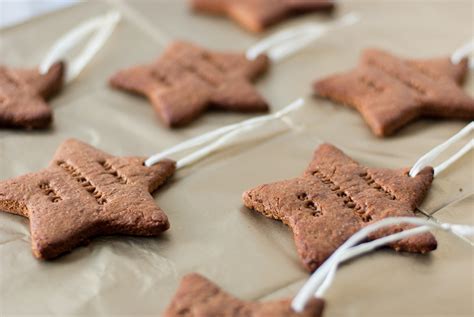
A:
(186, 80)
(85, 193)
(199, 297)
(256, 15)
(23, 95)
(336, 197)
(390, 91)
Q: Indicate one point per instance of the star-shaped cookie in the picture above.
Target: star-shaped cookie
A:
(199, 297)
(85, 193)
(23, 95)
(186, 80)
(256, 15)
(335, 197)
(390, 91)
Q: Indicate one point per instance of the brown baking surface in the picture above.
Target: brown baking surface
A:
(211, 232)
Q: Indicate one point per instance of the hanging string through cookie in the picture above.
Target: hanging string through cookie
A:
(286, 42)
(102, 25)
(222, 136)
(462, 52)
(322, 278)
(429, 157)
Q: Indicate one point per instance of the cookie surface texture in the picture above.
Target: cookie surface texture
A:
(186, 80)
(23, 96)
(335, 197)
(84, 193)
(390, 92)
(199, 297)
(257, 15)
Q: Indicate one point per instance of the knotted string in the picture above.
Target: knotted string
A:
(103, 27)
(322, 278)
(429, 157)
(462, 52)
(218, 138)
(288, 41)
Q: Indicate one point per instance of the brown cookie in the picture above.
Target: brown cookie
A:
(390, 91)
(85, 193)
(23, 95)
(186, 80)
(336, 197)
(256, 15)
(199, 297)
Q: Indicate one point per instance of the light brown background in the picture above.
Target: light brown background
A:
(211, 233)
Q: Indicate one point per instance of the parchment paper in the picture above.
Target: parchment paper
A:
(211, 232)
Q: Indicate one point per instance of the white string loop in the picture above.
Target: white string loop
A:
(102, 25)
(322, 278)
(426, 159)
(462, 52)
(288, 41)
(221, 136)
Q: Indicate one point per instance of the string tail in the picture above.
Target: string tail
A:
(288, 41)
(103, 27)
(322, 278)
(462, 52)
(221, 137)
(429, 157)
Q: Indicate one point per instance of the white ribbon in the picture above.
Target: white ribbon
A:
(288, 41)
(102, 25)
(462, 52)
(426, 159)
(221, 137)
(322, 278)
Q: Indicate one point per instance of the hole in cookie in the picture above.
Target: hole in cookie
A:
(310, 205)
(302, 196)
(351, 204)
(376, 186)
(82, 180)
(314, 210)
(340, 193)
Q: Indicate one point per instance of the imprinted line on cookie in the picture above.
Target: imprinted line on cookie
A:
(83, 181)
(349, 203)
(402, 72)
